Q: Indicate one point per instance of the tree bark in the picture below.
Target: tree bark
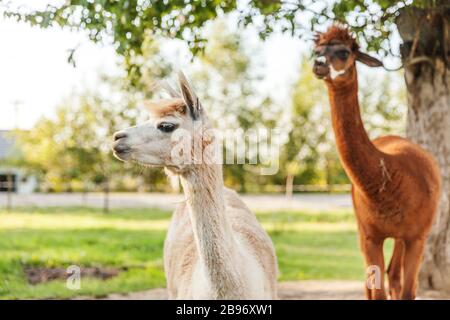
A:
(427, 77)
(429, 126)
(289, 186)
(106, 195)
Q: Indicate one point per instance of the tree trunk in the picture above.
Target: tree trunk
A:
(289, 186)
(427, 77)
(106, 195)
(241, 177)
(429, 126)
(84, 194)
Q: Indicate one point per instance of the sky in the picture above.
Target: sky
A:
(35, 75)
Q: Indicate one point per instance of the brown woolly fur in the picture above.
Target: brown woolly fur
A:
(165, 107)
(395, 183)
(337, 32)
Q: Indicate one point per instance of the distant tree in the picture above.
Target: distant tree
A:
(129, 23)
(384, 109)
(223, 75)
(153, 67)
(308, 130)
(75, 145)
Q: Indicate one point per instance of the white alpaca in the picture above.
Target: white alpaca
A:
(215, 248)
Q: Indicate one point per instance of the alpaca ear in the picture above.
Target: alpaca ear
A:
(368, 60)
(189, 96)
(169, 89)
(316, 37)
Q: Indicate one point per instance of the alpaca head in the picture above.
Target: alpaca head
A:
(335, 53)
(177, 132)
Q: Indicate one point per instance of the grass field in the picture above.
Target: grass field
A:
(310, 245)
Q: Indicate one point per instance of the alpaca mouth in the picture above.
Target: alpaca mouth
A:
(123, 156)
(121, 151)
(321, 71)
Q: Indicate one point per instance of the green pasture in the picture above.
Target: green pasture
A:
(309, 245)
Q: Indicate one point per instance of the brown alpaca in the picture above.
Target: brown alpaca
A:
(395, 183)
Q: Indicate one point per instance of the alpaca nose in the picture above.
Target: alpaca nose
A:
(320, 61)
(321, 68)
(119, 135)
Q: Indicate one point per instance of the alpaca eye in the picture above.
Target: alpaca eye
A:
(342, 54)
(166, 126)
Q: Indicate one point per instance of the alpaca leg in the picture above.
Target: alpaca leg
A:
(373, 254)
(395, 270)
(412, 259)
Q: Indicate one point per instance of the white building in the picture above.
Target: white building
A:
(21, 182)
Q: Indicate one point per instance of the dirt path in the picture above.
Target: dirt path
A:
(168, 201)
(292, 290)
(295, 290)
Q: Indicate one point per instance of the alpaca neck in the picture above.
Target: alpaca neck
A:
(203, 187)
(362, 161)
